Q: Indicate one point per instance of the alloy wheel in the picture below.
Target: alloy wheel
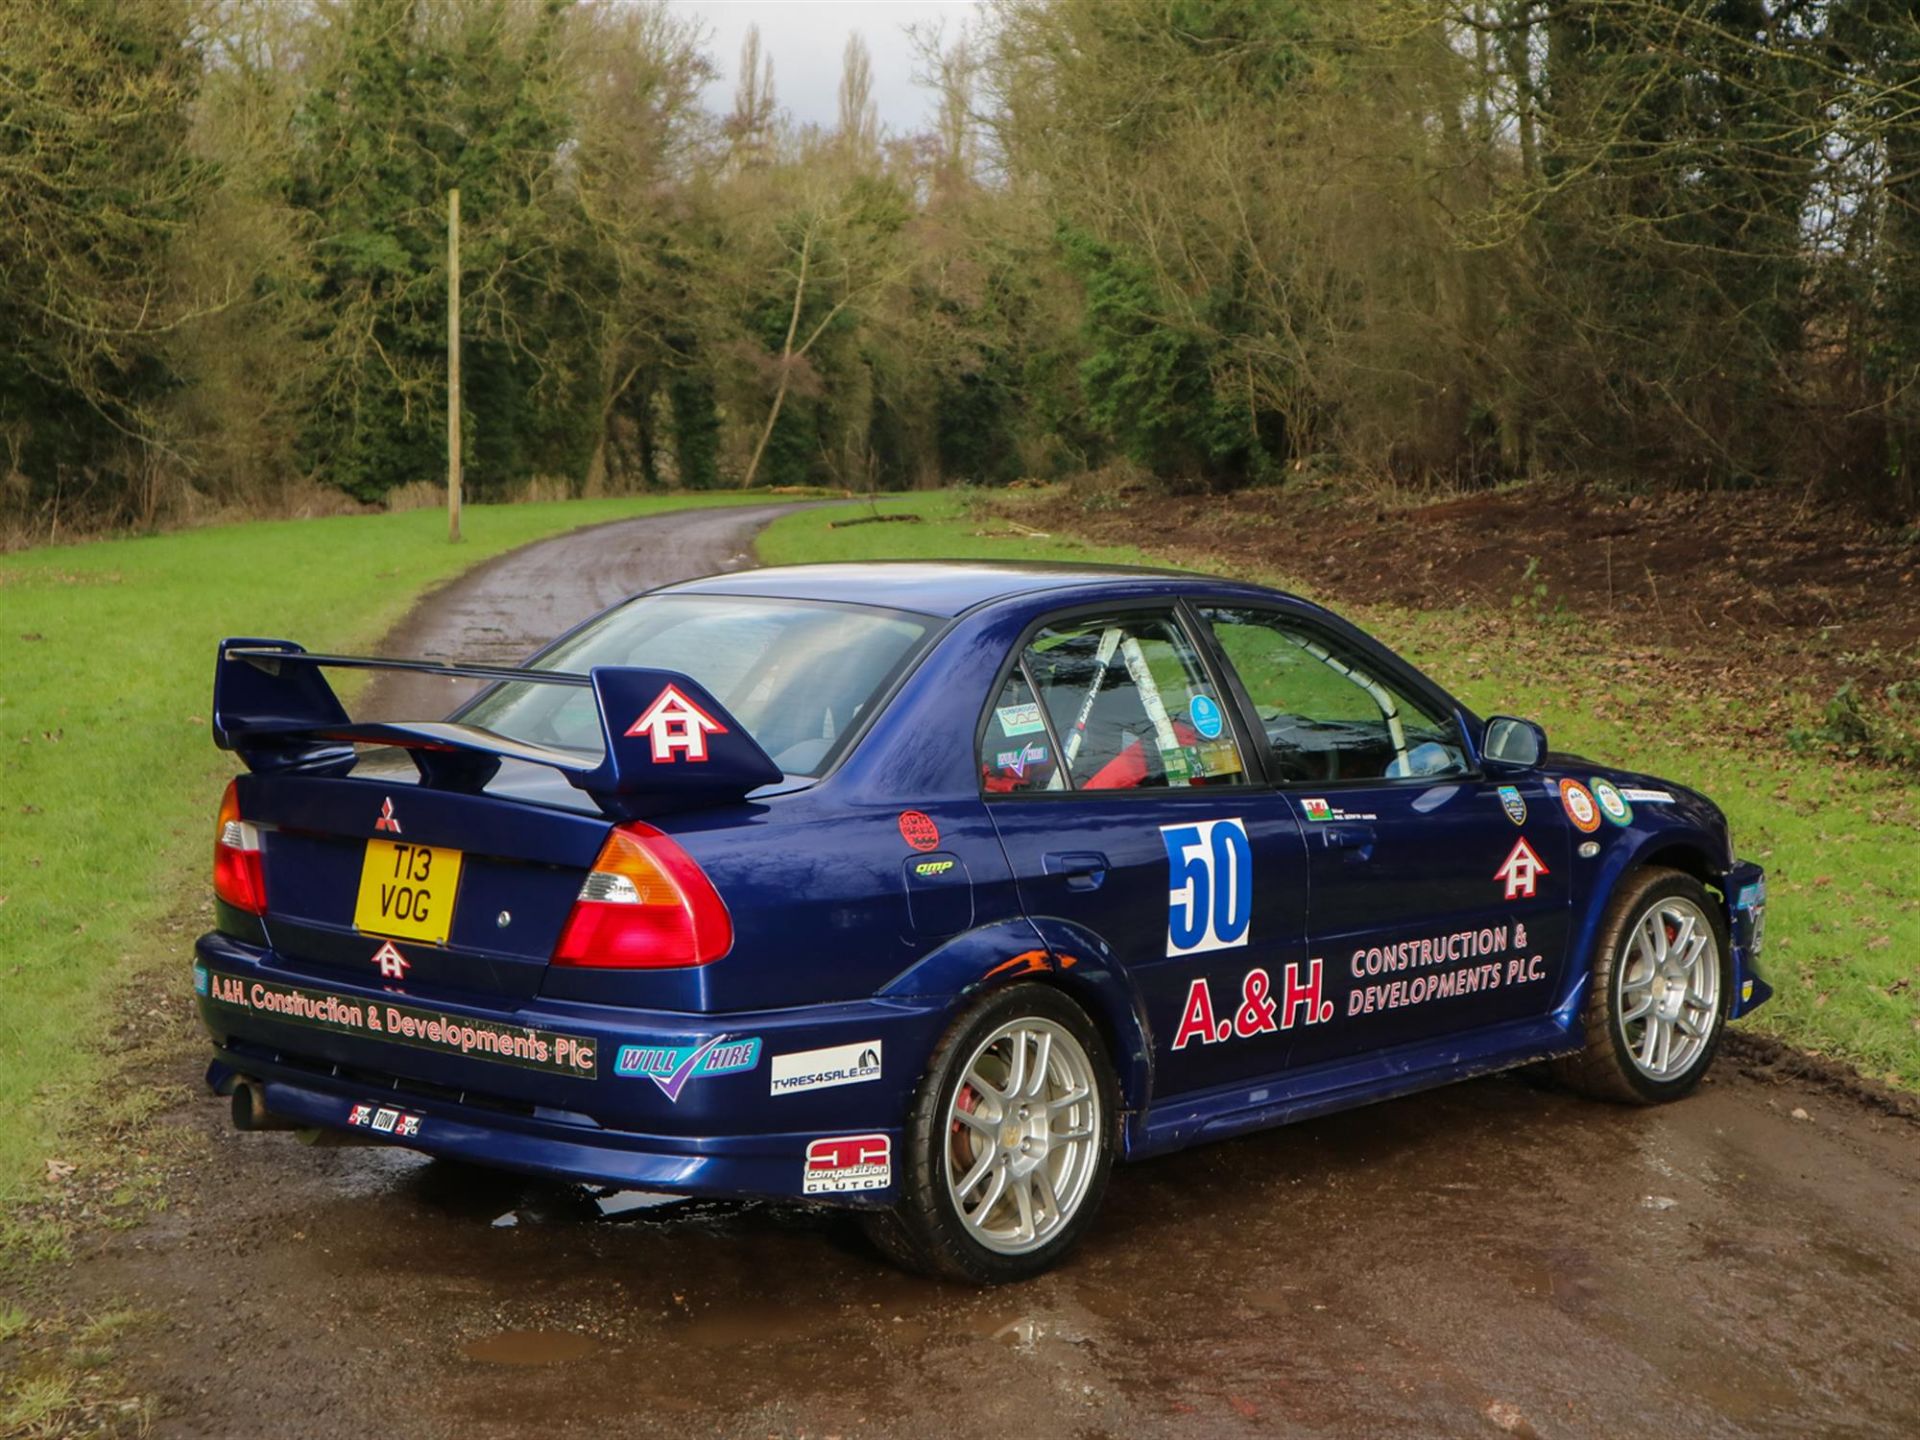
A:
(1023, 1135)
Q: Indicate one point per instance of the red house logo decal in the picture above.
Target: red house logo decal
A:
(1522, 871)
(392, 963)
(673, 723)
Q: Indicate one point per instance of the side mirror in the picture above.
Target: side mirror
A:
(1512, 744)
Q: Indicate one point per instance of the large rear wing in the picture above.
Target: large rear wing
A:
(667, 743)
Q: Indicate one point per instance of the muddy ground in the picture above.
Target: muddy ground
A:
(1776, 579)
(1496, 1257)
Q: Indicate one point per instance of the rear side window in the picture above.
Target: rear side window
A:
(1121, 703)
(1017, 750)
(801, 676)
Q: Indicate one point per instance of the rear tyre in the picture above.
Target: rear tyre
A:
(1009, 1143)
(1657, 1002)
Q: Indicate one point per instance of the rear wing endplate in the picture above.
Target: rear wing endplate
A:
(668, 744)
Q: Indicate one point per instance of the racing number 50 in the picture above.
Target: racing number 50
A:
(1209, 886)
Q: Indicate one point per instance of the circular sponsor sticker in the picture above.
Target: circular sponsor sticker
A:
(1612, 803)
(918, 830)
(1580, 807)
(1205, 714)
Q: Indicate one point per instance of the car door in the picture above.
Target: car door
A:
(1437, 898)
(1115, 774)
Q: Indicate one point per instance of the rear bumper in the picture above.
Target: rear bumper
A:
(654, 1100)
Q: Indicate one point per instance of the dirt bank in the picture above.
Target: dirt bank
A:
(1752, 575)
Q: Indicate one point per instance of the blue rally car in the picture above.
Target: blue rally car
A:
(931, 890)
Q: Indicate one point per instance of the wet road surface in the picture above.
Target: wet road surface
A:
(1492, 1258)
(503, 609)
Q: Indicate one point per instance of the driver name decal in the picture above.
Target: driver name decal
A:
(1209, 886)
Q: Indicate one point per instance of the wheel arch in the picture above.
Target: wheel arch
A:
(1688, 855)
(1687, 849)
(1053, 952)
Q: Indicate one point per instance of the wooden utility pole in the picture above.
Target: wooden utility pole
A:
(453, 366)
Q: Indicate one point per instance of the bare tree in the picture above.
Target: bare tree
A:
(859, 128)
(749, 127)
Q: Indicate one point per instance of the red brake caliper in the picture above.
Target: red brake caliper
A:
(966, 1100)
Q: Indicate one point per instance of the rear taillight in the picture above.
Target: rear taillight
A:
(238, 877)
(645, 905)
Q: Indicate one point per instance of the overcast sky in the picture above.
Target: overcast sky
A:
(806, 37)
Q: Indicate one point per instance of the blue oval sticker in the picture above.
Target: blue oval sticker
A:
(1205, 715)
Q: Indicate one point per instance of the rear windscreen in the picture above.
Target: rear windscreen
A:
(801, 676)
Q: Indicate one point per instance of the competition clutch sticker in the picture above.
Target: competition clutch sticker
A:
(1580, 806)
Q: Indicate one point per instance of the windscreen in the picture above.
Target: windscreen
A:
(801, 676)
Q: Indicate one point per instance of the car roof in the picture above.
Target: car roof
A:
(951, 587)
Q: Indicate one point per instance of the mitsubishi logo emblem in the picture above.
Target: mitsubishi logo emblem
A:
(386, 820)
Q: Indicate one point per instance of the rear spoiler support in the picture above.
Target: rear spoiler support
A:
(667, 743)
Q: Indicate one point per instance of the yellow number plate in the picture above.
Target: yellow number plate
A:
(406, 891)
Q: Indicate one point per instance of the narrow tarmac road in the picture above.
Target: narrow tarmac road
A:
(1493, 1258)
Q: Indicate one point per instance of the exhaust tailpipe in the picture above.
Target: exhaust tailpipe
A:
(250, 1109)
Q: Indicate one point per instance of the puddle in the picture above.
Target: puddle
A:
(618, 1203)
(530, 1347)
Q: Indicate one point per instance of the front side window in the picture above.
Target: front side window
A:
(1328, 717)
(1121, 703)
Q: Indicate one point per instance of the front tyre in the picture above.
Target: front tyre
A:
(1009, 1143)
(1657, 1004)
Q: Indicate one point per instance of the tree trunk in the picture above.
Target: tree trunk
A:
(786, 360)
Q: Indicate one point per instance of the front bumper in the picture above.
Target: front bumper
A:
(1746, 891)
(682, 1103)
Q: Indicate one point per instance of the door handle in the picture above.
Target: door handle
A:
(1082, 869)
(1356, 839)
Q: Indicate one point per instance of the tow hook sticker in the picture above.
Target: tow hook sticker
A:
(396, 1123)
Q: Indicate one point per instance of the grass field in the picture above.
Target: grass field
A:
(108, 777)
(1839, 842)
